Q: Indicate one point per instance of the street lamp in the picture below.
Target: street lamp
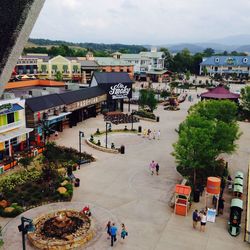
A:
(81, 134)
(108, 127)
(132, 116)
(25, 228)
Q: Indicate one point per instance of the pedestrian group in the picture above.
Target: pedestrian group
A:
(112, 232)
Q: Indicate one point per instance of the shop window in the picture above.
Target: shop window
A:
(6, 144)
(10, 118)
(13, 141)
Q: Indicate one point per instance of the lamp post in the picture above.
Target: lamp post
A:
(107, 124)
(81, 134)
(25, 228)
(132, 116)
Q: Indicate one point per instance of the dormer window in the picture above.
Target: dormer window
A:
(217, 59)
(245, 60)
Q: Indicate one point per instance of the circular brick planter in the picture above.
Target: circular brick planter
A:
(72, 241)
(103, 149)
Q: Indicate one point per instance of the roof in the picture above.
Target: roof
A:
(110, 61)
(182, 189)
(89, 63)
(112, 77)
(219, 93)
(152, 54)
(31, 83)
(44, 102)
(82, 94)
(13, 108)
(45, 58)
(131, 56)
(243, 61)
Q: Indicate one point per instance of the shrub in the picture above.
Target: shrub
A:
(13, 212)
(145, 114)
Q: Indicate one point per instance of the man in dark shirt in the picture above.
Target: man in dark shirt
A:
(195, 218)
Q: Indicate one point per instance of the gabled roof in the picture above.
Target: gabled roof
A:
(220, 93)
(89, 63)
(44, 102)
(112, 77)
(226, 61)
(82, 94)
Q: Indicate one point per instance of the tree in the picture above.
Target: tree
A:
(25, 162)
(208, 52)
(245, 101)
(147, 98)
(168, 60)
(165, 94)
(209, 130)
(58, 76)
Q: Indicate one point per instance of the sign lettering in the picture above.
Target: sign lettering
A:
(119, 91)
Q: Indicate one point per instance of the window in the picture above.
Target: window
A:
(6, 144)
(13, 141)
(10, 118)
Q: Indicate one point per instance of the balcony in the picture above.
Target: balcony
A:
(10, 126)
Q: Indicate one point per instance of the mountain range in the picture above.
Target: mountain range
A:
(239, 43)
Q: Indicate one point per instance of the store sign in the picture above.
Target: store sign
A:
(119, 91)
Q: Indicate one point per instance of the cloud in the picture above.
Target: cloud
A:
(142, 21)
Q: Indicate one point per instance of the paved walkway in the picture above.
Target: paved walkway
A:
(120, 187)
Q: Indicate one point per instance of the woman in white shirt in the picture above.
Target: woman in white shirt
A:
(203, 217)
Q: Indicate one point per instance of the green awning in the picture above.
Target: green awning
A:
(238, 188)
(239, 174)
(238, 181)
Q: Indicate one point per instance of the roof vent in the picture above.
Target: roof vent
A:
(217, 59)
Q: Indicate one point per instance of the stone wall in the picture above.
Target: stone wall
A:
(17, 18)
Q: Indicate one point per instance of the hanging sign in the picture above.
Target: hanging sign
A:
(119, 91)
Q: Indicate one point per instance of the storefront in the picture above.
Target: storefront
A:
(117, 86)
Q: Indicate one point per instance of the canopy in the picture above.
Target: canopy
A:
(238, 181)
(237, 203)
(238, 188)
(239, 174)
(219, 93)
(182, 190)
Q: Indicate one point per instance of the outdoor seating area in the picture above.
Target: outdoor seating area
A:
(119, 118)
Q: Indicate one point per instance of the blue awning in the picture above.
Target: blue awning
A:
(4, 109)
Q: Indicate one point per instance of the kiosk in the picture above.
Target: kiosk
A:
(182, 195)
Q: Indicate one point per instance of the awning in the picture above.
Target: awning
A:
(50, 118)
(14, 133)
(4, 109)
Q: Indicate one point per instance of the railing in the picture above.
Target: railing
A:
(9, 126)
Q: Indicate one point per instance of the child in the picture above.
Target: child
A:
(124, 232)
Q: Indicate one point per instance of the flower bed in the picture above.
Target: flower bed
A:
(145, 114)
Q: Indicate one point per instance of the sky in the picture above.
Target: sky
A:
(142, 21)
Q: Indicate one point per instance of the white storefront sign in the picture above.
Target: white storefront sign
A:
(119, 91)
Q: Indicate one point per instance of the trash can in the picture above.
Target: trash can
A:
(157, 118)
(122, 150)
(197, 195)
(139, 129)
(77, 182)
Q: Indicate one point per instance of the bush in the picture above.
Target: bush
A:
(17, 210)
(145, 114)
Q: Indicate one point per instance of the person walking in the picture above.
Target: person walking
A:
(149, 134)
(152, 167)
(203, 217)
(157, 167)
(158, 134)
(154, 134)
(221, 205)
(108, 227)
(195, 218)
(113, 231)
(124, 231)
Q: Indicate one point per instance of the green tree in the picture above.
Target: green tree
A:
(147, 98)
(25, 162)
(245, 101)
(58, 76)
(208, 52)
(165, 94)
(209, 130)
(168, 58)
